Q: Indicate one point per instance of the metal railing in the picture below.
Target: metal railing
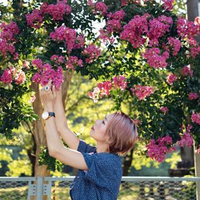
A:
(132, 188)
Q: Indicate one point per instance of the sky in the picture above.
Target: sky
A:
(3, 1)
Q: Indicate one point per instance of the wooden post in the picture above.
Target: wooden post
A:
(197, 173)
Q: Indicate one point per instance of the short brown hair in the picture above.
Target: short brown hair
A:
(122, 133)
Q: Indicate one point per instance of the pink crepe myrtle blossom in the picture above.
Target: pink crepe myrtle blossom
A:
(118, 15)
(66, 35)
(135, 30)
(171, 78)
(91, 52)
(175, 44)
(168, 4)
(193, 95)
(164, 109)
(124, 2)
(80, 41)
(157, 149)
(186, 140)
(155, 59)
(57, 11)
(73, 62)
(141, 92)
(157, 28)
(119, 82)
(26, 64)
(46, 73)
(101, 7)
(35, 18)
(95, 94)
(6, 77)
(187, 29)
(19, 77)
(195, 118)
(7, 38)
(105, 36)
(194, 51)
(9, 31)
(113, 25)
(187, 71)
(58, 59)
(38, 63)
(102, 89)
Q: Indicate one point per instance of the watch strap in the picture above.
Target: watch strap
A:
(52, 114)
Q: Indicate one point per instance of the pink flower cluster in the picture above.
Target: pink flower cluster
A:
(141, 92)
(114, 22)
(194, 51)
(134, 31)
(58, 59)
(124, 2)
(119, 82)
(73, 62)
(57, 11)
(157, 149)
(187, 28)
(46, 73)
(105, 36)
(171, 78)
(118, 15)
(157, 28)
(193, 95)
(186, 140)
(195, 118)
(187, 71)
(168, 4)
(101, 8)
(91, 53)
(7, 38)
(155, 59)
(164, 109)
(113, 25)
(65, 34)
(10, 74)
(175, 44)
(103, 89)
(35, 19)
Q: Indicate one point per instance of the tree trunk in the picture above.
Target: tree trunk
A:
(39, 125)
(127, 163)
(39, 133)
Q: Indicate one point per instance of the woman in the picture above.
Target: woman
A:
(100, 170)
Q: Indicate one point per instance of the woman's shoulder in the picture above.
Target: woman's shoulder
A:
(109, 158)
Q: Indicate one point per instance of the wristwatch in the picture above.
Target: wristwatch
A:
(46, 115)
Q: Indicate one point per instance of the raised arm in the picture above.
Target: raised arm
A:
(61, 123)
(56, 149)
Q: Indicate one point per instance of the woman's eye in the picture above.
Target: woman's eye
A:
(103, 122)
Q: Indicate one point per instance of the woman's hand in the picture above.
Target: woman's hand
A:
(48, 96)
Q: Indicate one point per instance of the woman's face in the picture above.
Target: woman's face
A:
(99, 129)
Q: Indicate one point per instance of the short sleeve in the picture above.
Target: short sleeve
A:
(85, 148)
(104, 169)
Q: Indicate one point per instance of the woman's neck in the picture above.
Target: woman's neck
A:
(102, 148)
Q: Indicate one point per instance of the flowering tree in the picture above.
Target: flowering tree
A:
(145, 56)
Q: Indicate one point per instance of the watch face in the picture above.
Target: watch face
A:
(45, 115)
